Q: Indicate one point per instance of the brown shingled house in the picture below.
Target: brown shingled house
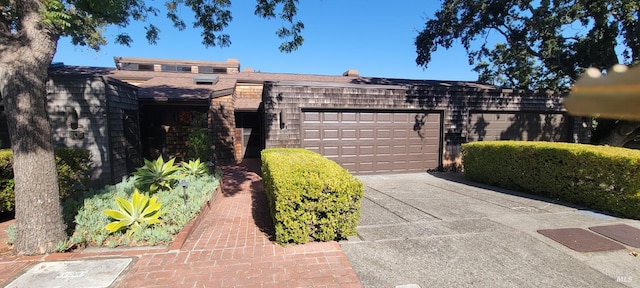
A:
(368, 125)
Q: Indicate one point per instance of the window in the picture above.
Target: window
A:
(205, 69)
(169, 68)
(145, 67)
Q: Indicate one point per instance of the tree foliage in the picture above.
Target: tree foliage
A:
(535, 44)
(84, 21)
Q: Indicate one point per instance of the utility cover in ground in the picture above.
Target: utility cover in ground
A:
(82, 273)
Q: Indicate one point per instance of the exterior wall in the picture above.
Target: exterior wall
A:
(284, 102)
(98, 104)
(123, 100)
(249, 90)
(223, 125)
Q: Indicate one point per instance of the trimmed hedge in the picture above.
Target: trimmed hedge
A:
(310, 197)
(72, 164)
(599, 177)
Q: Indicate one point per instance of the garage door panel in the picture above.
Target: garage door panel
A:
(383, 134)
(349, 134)
(374, 142)
(330, 117)
(366, 134)
(330, 134)
(366, 117)
(349, 117)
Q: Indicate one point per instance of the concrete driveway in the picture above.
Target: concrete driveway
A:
(442, 231)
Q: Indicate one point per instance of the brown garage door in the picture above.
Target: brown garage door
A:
(374, 142)
(518, 126)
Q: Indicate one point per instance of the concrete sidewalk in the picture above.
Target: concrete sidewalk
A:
(443, 231)
(229, 248)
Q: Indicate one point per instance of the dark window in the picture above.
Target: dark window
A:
(169, 68)
(129, 66)
(145, 67)
(205, 69)
(184, 68)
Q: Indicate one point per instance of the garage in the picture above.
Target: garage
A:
(489, 126)
(366, 142)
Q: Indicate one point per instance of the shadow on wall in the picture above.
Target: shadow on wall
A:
(519, 126)
(269, 106)
(222, 125)
(86, 98)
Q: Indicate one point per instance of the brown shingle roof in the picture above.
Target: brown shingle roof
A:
(175, 86)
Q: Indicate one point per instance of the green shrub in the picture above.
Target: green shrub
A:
(73, 166)
(599, 177)
(157, 175)
(310, 197)
(199, 145)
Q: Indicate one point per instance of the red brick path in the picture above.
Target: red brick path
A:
(229, 248)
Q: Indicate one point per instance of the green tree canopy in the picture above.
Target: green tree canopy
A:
(535, 44)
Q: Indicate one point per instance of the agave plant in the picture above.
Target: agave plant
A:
(140, 211)
(157, 175)
(194, 168)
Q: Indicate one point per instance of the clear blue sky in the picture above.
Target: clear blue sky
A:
(375, 37)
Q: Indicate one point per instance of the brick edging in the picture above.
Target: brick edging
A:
(186, 231)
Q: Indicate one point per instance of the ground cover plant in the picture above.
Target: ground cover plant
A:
(123, 215)
(177, 209)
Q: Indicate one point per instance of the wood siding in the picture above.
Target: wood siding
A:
(285, 102)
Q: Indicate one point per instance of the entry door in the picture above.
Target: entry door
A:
(252, 143)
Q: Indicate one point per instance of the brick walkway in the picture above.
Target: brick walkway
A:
(229, 248)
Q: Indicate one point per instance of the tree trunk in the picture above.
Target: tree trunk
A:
(622, 132)
(23, 74)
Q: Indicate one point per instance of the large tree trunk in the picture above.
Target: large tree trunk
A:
(23, 74)
(621, 133)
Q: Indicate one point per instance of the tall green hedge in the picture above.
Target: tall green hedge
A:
(310, 197)
(599, 177)
(72, 164)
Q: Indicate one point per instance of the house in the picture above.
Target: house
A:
(144, 108)
(88, 109)
(368, 125)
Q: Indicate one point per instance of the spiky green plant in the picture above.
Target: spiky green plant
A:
(194, 168)
(157, 175)
(135, 214)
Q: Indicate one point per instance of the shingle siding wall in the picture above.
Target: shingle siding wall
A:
(121, 98)
(455, 103)
(99, 104)
(223, 125)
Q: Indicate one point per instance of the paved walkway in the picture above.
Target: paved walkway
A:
(229, 248)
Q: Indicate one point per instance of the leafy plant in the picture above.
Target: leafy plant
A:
(194, 168)
(157, 175)
(199, 145)
(73, 166)
(135, 214)
(89, 223)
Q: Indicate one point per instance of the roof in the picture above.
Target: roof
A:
(180, 86)
(59, 69)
